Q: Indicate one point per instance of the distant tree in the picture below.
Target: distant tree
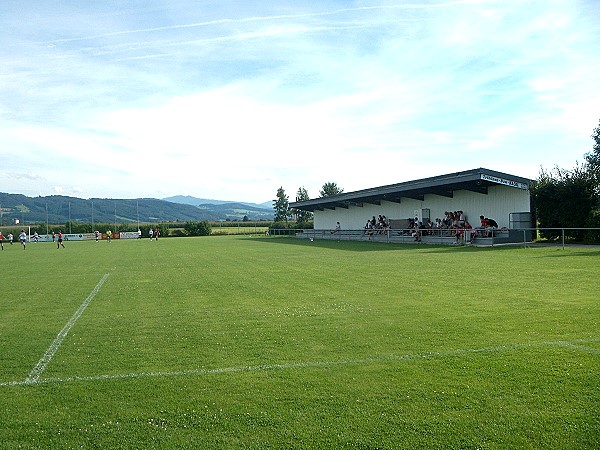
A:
(330, 188)
(197, 228)
(281, 205)
(245, 218)
(302, 194)
(302, 217)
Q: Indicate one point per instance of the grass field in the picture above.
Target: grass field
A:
(241, 342)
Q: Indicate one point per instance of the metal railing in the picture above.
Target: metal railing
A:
(491, 237)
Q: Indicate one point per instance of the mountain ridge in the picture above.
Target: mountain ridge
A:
(195, 201)
(58, 209)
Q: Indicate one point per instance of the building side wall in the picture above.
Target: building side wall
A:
(497, 204)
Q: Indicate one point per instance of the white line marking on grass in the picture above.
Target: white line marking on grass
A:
(39, 368)
(578, 347)
(303, 365)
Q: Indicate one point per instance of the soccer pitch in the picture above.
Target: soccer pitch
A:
(255, 342)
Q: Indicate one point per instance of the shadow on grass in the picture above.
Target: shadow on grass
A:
(369, 246)
(363, 246)
(560, 253)
(331, 244)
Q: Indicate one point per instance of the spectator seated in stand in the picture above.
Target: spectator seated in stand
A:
(462, 219)
(437, 226)
(487, 227)
(418, 231)
(385, 224)
(447, 220)
(469, 231)
(373, 224)
(464, 233)
(369, 228)
(480, 230)
(491, 223)
(429, 228)
(410, 229)
(380, 224)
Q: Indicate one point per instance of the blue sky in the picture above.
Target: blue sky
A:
(232, 99)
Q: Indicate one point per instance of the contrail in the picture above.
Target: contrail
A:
(273, 17)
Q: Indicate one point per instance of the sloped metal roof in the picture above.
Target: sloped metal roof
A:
(476, 180)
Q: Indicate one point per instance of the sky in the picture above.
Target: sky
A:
(232, 99)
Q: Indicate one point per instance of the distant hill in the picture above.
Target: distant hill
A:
(57, 209)
(236, 211)
(215, 210)
(195, 201)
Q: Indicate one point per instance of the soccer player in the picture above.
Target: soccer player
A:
(1, 240)
(60, 240)
(23, 238)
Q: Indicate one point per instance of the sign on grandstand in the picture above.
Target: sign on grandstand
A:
(505, 182)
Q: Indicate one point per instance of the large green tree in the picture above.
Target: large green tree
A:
(329, 189)
(563, 199)
(595, 155)
(593, 158)
(281, 205)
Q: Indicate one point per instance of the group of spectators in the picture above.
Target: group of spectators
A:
(455, 224)
(379, 225)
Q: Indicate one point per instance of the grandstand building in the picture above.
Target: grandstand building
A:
(500, 196)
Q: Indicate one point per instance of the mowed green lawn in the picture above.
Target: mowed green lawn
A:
(240, 342)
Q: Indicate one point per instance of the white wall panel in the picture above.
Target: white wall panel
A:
(497, 204)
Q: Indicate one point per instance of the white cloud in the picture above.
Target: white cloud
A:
(232, 103)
